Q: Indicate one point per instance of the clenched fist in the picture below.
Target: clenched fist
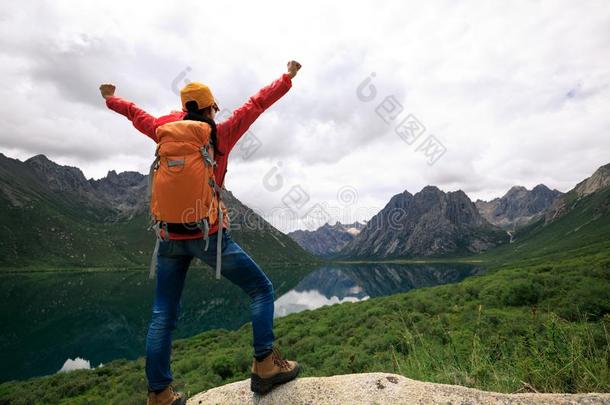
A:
(107, 90)
(293, 68)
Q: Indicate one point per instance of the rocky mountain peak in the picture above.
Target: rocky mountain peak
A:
(327, 239)
(58, 177)
(541, 188)
(518, 206)
(429, 223)
(430, 189)
(515, 190)
(400, 197)
(40, 158)
(600, 179)
(123, 179)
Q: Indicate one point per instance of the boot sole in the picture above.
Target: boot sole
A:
(264, 385)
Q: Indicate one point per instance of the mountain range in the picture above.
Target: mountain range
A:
(578, 222)
(518, 206)
(328, 239)
(435, 223)
(51, 215)
(429, 223)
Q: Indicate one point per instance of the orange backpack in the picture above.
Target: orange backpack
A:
(182, 187)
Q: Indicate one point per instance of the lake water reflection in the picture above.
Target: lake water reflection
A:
(95, 317)
(335, 284)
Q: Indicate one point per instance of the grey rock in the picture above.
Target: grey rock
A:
(598, 181)
(125, 192)
(429, 223)
(60, 178)
(327, 239)
(378, 388)
(518, 206)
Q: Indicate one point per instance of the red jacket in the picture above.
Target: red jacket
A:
(228, 132)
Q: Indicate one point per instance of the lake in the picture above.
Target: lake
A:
(356, 282)
(49, 317)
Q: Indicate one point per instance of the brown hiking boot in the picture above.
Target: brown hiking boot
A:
(272, 370)
(168, 396)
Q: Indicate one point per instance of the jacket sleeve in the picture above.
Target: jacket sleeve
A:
(141, 120)
(240, 120)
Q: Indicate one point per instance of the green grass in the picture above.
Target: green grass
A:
(479, 333)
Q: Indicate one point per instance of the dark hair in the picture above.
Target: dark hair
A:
(195, 114)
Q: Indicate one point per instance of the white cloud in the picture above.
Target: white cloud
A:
(517, 92)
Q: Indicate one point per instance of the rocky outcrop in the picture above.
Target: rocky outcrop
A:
(327, 239)
(66, 179)
(378, 388)
(126, 192)
(518, 206)
(123, 195)
(429, 223)
(598, 181)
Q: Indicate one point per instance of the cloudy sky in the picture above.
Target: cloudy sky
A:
(478, 96)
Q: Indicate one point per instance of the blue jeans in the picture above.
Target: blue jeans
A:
(174, 257)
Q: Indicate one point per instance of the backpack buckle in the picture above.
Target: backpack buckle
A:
(157, 226)
(206, 156)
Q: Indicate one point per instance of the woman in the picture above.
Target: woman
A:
(174, 255)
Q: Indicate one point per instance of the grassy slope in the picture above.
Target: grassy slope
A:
(540, 319)
(479, 333)
(43, 227)
(61, 239)
(52, 234)
(584, 230)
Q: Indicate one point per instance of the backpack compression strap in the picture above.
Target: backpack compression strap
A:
(210, 162)
(218, 190)
(154, 224)
(153, 261)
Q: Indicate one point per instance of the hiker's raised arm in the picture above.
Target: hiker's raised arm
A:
(141, 120)
(241, 119)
